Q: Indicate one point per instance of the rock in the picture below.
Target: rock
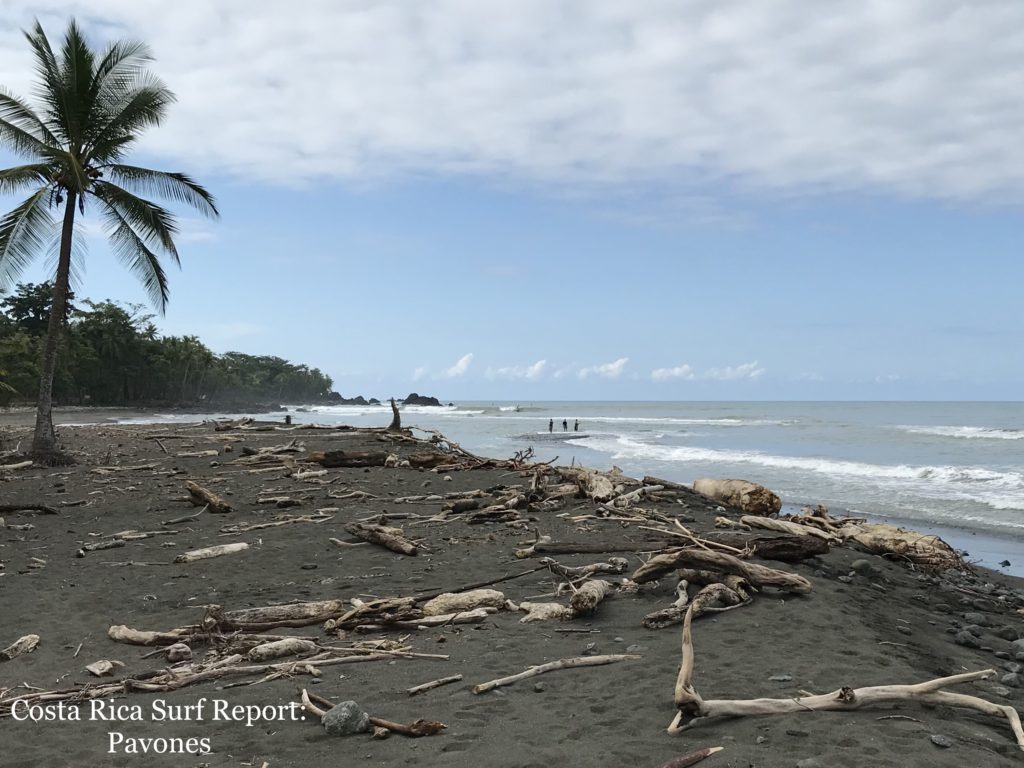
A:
(1007, 633)
(781, 678)
(974, 629)
(634, 648)
(1005, 563)
(1017, 646)
(1012, 666)
(844, 579)
(346, 719)
(760, 739)
(904, 629)
(864, 567)
(1019, 656)
(998, 690)
(539, 687)
(796, 732)
(1002, 655)
(976, 618)
(966, 639)
(943, 608)
(941, 741)
(810, 762)
(984, 604)
(414, 399)
(1012, 679)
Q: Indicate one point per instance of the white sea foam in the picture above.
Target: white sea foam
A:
(967, 433)
(997, 489)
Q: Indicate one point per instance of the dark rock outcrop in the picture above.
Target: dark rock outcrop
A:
(414, 399)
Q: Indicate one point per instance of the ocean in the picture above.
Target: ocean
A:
(958, 465)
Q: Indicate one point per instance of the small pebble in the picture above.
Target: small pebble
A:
(1011, 679)
(941, 741)
(539, 687)
(904, 629)
(781, 678)
(760, 739)
(308, 566)
(796, 732)
(634, 648)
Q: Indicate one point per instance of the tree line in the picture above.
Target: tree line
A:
(113, 354)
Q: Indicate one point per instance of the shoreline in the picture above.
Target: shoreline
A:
(988, 545)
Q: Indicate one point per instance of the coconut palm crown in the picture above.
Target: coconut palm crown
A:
(89, 111)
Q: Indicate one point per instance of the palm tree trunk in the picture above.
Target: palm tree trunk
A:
(44, 444)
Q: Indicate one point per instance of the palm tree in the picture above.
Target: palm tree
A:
(91, 110)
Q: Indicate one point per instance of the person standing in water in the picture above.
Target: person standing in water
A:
(551, 425)
(565, 425)
(576, 426)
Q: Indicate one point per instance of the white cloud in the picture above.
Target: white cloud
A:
(908, 98)
(730, 373)
(607, 370)
(529, 372)
(460, 367)
(887, 378)
(420, 373)
(679, 372)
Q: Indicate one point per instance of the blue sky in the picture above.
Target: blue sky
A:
(674, 203)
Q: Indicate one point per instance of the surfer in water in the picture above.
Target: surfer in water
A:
(551, 425)
(576, 426)
(565, 425)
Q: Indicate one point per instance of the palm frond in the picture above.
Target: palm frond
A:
(21, 142)
(152, 222)
(18, 113)
(23, 233)
(14, 179)
(50, 87)
(77, 66)
(140, 106)
(133, 252)
(171, 186)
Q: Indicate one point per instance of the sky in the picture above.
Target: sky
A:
(559, 199)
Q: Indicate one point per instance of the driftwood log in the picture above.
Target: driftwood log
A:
(786, 548)
(396, 418)
(693, 709)
(757, 575)
(578, 661)
(750, 497)
(349, 459)
(383, 536)
(215, 551)
(201, 497)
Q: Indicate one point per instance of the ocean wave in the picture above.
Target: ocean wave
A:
(997, 489)
(967, 433)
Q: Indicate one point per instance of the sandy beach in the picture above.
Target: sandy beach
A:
(867, 621)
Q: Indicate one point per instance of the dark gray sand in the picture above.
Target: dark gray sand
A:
(884, 625)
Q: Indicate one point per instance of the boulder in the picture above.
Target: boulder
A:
(415, 399)
(345, 719)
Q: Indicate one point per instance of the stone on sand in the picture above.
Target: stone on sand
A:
(345, 719)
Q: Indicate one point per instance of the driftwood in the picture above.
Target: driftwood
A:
(201, 497)
(578, 661)
(28, 507)
(692, 709)
(586, 599)
(396, 418)
(757, 575)
(786, 548)
(685, 761)
(16, 465)
(545, 546)
(674, 614)
(120, 633)
(207, 552)
(615, 565)
(750, 497)
(270, 616)
(290, 646)
(424, 687)
(386, 610)
(474, 616)
(463, 601)
(786, 526)
(384, 536)
(197, 454)
(349, 459)
(545, 612)
(24, 644)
